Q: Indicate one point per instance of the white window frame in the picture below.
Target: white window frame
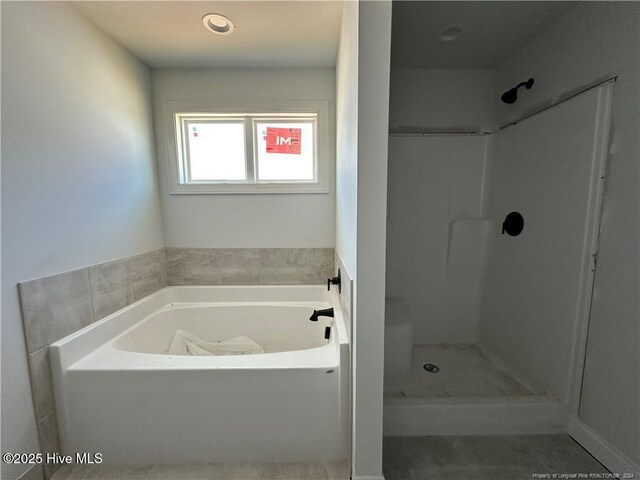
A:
(251, 112)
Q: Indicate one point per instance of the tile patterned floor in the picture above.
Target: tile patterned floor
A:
(208, 471)
(513, 457)
(465, 370)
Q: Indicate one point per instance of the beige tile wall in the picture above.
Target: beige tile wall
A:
(114, 285)
(56, 306)
(249, 266)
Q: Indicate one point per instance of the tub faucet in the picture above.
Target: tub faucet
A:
(327, 312)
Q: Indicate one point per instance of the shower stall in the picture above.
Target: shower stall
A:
(491, 251)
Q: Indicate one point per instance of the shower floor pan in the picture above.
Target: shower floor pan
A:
(467, 393)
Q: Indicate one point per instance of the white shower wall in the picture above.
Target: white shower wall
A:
(436, 198)
(534, 283)
(435, 233)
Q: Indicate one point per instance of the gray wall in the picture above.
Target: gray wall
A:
(437, 98)
(78, 172)
(592, 41)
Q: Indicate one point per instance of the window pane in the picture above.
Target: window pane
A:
(285, 150)
(216, 151)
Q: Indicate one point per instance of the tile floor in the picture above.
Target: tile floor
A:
(465, 371)
(208, 471)
(512, 457)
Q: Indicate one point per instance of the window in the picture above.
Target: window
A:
(213, 151)
(274, 149)
(285, 150)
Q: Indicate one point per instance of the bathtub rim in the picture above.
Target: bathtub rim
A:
(90, 348)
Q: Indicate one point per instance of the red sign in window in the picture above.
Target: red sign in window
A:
(283, 140)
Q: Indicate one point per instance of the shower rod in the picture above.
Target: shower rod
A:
(434, 133)
(444, 133)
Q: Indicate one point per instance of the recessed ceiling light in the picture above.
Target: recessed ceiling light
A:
(450, 33)
(216, 23)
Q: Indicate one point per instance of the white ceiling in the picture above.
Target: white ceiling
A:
(493, 31)
(268, 33)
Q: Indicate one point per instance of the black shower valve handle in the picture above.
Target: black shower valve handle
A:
(513, 224)
(337, 280)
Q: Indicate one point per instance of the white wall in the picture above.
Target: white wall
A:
(270, 220)
(346, 170)
(346, 137)
(436, 98)
(374, 46)
(78, 174)
(592, 41)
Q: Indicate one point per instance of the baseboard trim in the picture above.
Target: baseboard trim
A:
(602, 450)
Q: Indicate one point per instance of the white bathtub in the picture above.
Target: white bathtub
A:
(118, 392)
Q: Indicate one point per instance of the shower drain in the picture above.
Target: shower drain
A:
(431, 368)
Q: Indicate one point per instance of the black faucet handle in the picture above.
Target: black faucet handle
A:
(337, 280)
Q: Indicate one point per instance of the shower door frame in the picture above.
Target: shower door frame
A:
(590, 248)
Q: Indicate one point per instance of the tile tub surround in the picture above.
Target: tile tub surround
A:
(249, 266)
(55, 306)
(58, 305)
(114, 285)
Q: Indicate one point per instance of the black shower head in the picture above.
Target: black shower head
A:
(510, 96)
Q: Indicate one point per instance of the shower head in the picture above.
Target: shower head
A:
(510, 96)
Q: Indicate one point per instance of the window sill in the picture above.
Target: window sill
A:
(247, 188)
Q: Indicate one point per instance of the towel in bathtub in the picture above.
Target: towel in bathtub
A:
(186, 343)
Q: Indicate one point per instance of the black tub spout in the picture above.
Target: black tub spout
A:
(327, 312)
